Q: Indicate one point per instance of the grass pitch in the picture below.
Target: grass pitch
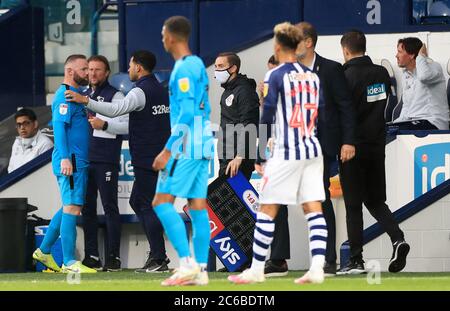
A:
(130, 281)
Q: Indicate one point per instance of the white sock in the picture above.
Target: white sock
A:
(263, 237)
(317, 239)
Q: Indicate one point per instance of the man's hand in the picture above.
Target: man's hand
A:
(261, 89)
(75, 97)
(347, 153)
(96, 123)
(161, 160)
(233, 166)
(66, 167)
(423, 50)
(259, 168)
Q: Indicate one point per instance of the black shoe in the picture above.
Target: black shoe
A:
(398, 260)
(329, 269)
(241, 268)
(353, 267)
(113, 264)
(92, 262)
(275, 268)
(154, 266)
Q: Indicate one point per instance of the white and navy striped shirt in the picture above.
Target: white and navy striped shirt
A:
(291, 102)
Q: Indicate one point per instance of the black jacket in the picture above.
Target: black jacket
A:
(336, 120)
(239, 104)
(370, 86)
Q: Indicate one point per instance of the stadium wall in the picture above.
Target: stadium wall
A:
(428, 231)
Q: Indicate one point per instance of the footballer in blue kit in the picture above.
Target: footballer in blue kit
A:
(186, 173)
(70, 166)
(71, 130)
(183, 163)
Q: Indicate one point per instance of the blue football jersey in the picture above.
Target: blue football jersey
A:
(190, 109)
(75, 130)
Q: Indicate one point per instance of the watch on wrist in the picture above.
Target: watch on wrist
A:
(105, 126)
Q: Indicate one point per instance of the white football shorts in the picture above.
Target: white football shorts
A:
(292, 181)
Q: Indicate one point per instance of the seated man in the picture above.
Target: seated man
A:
(424, 96)
(30, 143)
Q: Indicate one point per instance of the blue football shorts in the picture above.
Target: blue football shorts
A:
(184, 178)
(77, 195)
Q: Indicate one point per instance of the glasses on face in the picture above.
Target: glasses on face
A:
(24, 124)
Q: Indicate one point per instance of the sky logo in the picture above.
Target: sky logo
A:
(126, 172)
(228, 250)
(431, 167)
(376, 92)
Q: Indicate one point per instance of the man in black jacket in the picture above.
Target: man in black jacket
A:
(239, 117)
(336, 136)
(363, 178)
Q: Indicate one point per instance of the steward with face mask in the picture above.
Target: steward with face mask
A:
(239, 117)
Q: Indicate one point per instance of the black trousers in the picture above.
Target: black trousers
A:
(363, 180)
(103, 178)
(141, 198)
(281, 244)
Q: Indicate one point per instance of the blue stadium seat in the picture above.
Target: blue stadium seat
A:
(393, 107)
(439, 13)
(121, 81)
(163, 77)
(439, 8)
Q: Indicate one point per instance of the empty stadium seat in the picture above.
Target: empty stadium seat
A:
(121, 81)
(393, 107)
(439, 13)
(439, 8)
(163, 77)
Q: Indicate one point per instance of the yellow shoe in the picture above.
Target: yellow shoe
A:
(77, 267)
(46, 259)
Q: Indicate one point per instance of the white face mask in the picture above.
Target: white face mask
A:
(222, 76)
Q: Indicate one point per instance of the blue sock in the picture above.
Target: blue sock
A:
(201, 234)
(52, 233)
(68, 237)
(175, 229)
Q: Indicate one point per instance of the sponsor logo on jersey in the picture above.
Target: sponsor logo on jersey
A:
(376, 92)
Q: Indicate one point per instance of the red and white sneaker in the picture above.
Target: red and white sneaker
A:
(200, 278)
(182, 276)
(249, 276)
(315, 276)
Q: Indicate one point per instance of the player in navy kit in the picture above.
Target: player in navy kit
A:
(293, 173)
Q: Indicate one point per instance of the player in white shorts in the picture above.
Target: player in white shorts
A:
(293, 173)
